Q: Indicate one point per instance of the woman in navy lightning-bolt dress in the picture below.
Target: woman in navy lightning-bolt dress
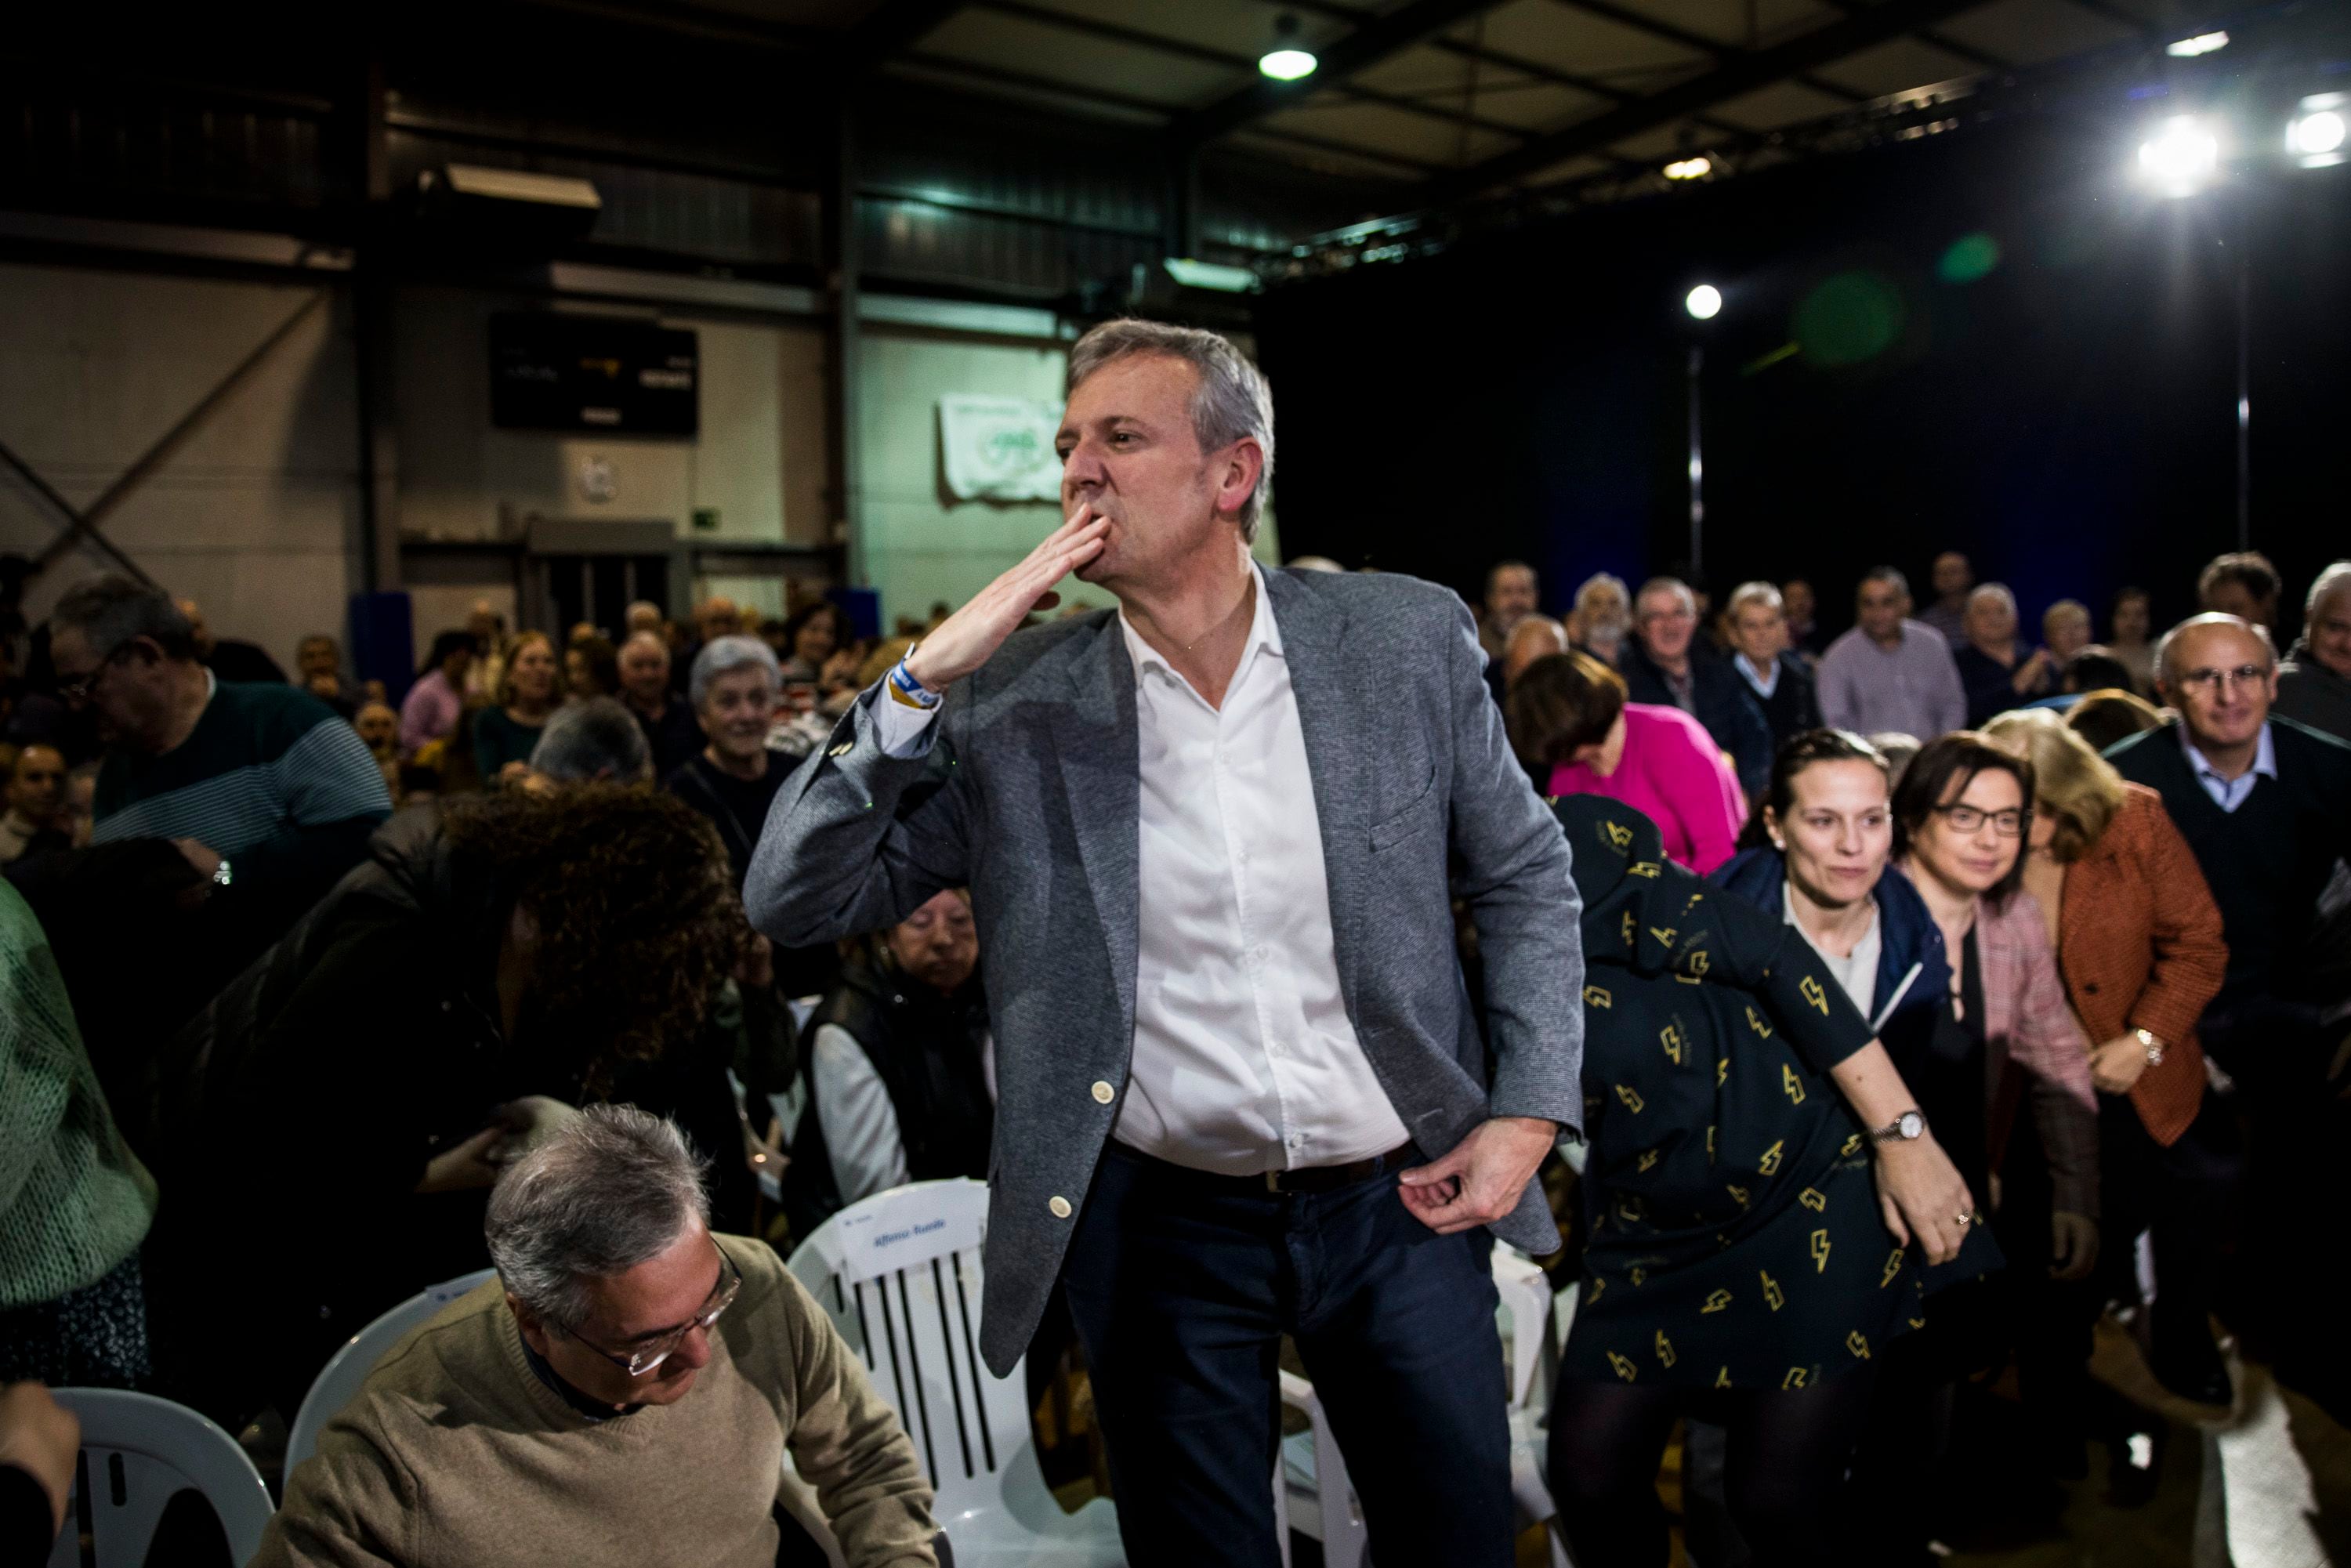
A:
(1740, 1266)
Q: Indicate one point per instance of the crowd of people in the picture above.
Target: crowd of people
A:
(1894, 986)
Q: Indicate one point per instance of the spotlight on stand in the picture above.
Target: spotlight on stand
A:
(1704, 302)
(2182, 156)
(1696, 167)
(2315, 134)
(1286, 61)
(2202, 43)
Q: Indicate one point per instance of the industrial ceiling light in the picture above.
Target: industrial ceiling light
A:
(2202, 43)
(1689, 168)
(1286, 61)
(2315, 134)
(2181, 157)
(1704, 302)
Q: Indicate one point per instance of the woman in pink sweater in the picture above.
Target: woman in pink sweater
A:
(1569, 723)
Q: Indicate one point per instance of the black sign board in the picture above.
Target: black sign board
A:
(553, 371)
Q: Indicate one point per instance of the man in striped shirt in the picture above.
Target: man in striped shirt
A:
(261, 787)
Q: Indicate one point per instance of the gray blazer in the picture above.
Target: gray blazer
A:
(1031, 796)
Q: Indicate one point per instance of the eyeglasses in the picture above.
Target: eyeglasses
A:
(77, 692)
(1679, 612)
(1966, 819)
(650, 1354)
(2220, 680)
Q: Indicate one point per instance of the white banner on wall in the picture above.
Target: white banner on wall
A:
(999, 448)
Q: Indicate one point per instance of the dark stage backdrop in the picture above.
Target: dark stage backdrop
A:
(1989, 341)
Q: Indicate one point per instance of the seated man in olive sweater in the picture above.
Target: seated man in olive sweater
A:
(623, 1394)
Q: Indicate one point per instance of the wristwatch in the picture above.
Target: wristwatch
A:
(2154, 1047)
(222, 876)
(1911, 1123)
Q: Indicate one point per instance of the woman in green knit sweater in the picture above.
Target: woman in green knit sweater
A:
(75, 1202)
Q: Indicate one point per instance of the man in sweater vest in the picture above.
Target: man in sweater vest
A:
(2262, 800)
(624, 1393)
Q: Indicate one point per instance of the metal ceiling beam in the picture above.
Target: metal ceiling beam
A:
(1699, 43)
(690, 21)
(1374, 40)
(947, 65)
(1740, 75)
(1181, 48)
(890, 27)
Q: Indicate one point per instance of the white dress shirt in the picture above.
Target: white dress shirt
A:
(1244, 1060)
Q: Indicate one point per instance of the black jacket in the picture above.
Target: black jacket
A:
(925, 1049)
(1793, 707)
(290, 1120)
(1720, 700)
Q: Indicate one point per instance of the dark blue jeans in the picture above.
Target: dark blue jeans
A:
(1181, 1286)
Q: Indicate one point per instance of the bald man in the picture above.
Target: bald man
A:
(226, 657)
(2260, 800)
(1534, 637)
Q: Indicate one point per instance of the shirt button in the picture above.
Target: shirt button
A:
(1104, 1093)
(1060, 1206)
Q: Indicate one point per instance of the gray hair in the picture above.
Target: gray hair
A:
(1763, 593)
(1232, 401)
(721, 654)
(1892, 574)
(1673, 585)
(603, 1193)
(2210, 618)
(598, 739)
(1994, 591)
(2066, 610)
(109, 611)
(2334, 579)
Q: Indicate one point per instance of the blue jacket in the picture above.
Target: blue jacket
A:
(1906, 933)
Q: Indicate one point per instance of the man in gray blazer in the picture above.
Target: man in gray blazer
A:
(1212, 840)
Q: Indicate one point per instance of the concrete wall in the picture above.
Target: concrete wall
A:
(255, 513)
(759, 461)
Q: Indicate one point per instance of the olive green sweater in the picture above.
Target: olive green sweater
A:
(455, 1453)
(74, 1200)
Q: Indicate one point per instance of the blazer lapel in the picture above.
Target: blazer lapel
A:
(1100, 757)
(1338, 751)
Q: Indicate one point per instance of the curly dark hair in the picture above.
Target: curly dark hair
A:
(638, 919)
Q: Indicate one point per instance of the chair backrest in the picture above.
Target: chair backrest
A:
(900, 1275)
(338, 1382)
(137, 1452)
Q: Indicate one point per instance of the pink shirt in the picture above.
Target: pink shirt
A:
(1673, 774)
(430, 712)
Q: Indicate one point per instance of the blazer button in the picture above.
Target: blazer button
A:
(1104, 1093)
(1061, 1208)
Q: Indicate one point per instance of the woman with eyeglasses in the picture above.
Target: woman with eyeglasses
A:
(2139, 944)
(2004, 1040)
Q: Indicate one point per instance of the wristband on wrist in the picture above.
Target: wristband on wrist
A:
(905, 689)
(2152, 1046)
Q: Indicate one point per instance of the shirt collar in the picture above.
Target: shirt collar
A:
(1264, 633)
(2265, 758)
(1764, 679)
(560, 1386)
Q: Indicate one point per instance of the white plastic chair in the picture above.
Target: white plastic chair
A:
(1321, 1498)
(138, 1451)
(900, 1275)
(338, 1382)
